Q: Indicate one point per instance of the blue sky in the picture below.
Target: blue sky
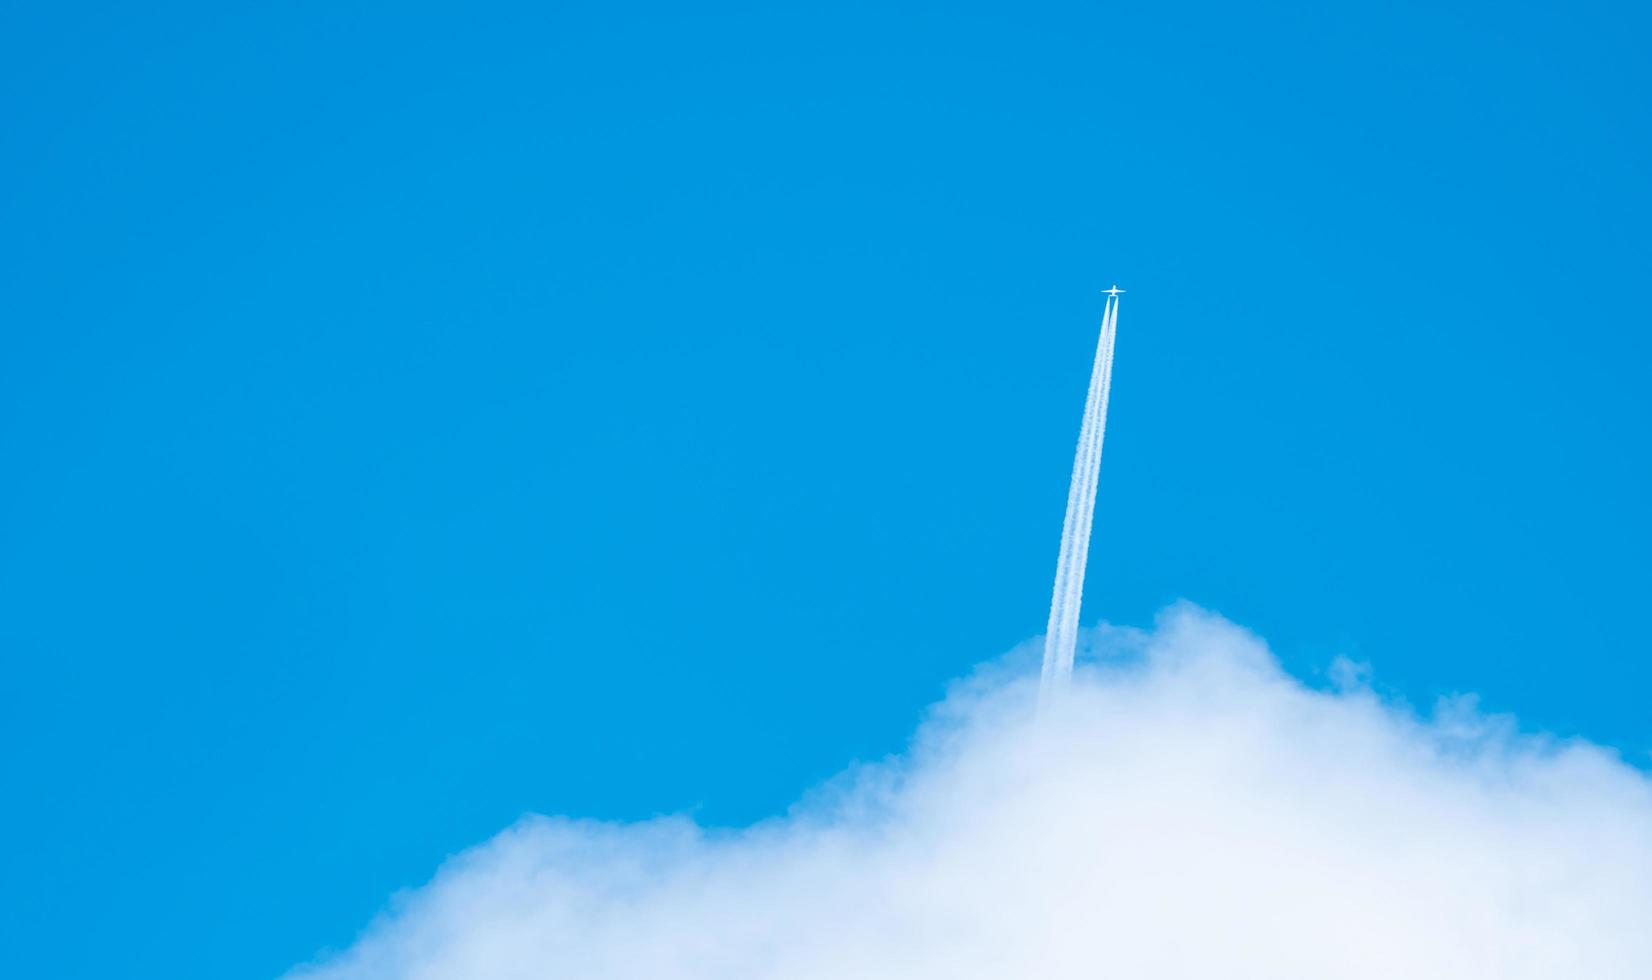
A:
(416, 417)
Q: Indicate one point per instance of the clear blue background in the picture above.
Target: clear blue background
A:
(413, 418)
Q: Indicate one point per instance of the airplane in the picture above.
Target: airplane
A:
(1114, 291)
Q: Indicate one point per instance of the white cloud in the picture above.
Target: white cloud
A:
(1192, 812)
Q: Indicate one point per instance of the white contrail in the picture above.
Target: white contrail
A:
(1061, 636)
(1077, 494)
(1085, 479)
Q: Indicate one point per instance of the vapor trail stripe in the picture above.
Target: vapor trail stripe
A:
(1061, 636)
(1066, 602)
(1061, 594)
(1094, 430)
